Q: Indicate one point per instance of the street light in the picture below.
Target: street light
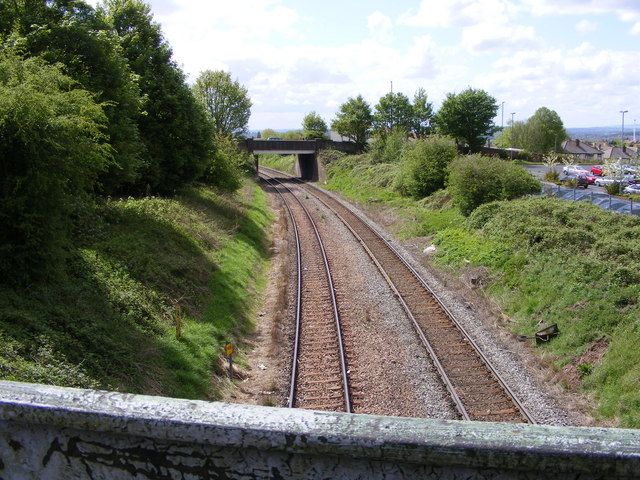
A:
(502, 125)
(623, 112)
(511, 142)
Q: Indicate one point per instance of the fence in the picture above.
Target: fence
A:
(603, 200)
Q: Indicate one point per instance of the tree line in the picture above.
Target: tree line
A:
(467, 117)
(92, 104)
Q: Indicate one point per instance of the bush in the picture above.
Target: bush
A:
(475, 180)
(227, 166)
(613, 188)
(424, 166)
(387, 147)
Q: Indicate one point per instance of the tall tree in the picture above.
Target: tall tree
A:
(71, 33)
(314, 126)
(173, 125)
(393, 112)
(422, 114)
(547, 131)
(354, 121)
(52, 150)
(467, 117)
(226, 101)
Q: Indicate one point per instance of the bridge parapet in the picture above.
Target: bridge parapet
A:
(53, 432)
(256, 146)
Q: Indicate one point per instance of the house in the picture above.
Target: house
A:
(581, 150)
(623, 153)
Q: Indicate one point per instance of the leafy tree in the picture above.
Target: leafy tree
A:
(422, 114)
(354, 121)
(542, 133)
(267, 133)
(467, 117)
(475, 180)
(314, 126)
(173, 125)
(546, 133)
(292, 135)
(425, 165)
(71, 33)
(393, 111)
(225, 170)
(387, 147)
(51, 153)
(226, 101)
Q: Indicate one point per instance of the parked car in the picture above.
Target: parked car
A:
(580, 179)
(590, 178)
(597, 170)
(573, 170)
(602, 181)
(632, 189)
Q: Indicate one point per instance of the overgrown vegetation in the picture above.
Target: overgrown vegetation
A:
(546, 260)
(476, 180)
(137, 268)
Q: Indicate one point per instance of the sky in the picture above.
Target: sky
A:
(580, 58)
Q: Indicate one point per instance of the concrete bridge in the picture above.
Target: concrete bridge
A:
(306, 150)
(51, 432)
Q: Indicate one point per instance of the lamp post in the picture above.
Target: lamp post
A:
(511, 142)
(502, 124)
(623, 112)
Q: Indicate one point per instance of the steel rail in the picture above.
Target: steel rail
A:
(334, 301)
(456, 398)
(525, 413)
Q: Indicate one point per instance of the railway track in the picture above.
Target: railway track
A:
(319, 378)
(477, 390)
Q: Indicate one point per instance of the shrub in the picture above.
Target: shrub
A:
(475, 180)
(424, 166)
(613, 188)
(225, 170)
(387, 147)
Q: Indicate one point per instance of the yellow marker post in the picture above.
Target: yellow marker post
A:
(229, 351)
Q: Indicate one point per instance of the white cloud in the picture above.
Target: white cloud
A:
(498, 38)
(457, 13)
(635, 30)
(586, 26)
(380, 27)
(626, 10)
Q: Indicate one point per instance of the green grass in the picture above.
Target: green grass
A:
(284, 163)
(548, 261)
(138, 266)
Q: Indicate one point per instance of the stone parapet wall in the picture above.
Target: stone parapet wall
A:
(50, 432)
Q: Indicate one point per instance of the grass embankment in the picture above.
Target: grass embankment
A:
(151, 292)
(546, 261)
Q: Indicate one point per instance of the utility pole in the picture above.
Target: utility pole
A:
(623, 112)
(502, 124)
(511, 141)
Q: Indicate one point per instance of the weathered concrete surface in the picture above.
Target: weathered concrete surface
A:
(50, 432)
